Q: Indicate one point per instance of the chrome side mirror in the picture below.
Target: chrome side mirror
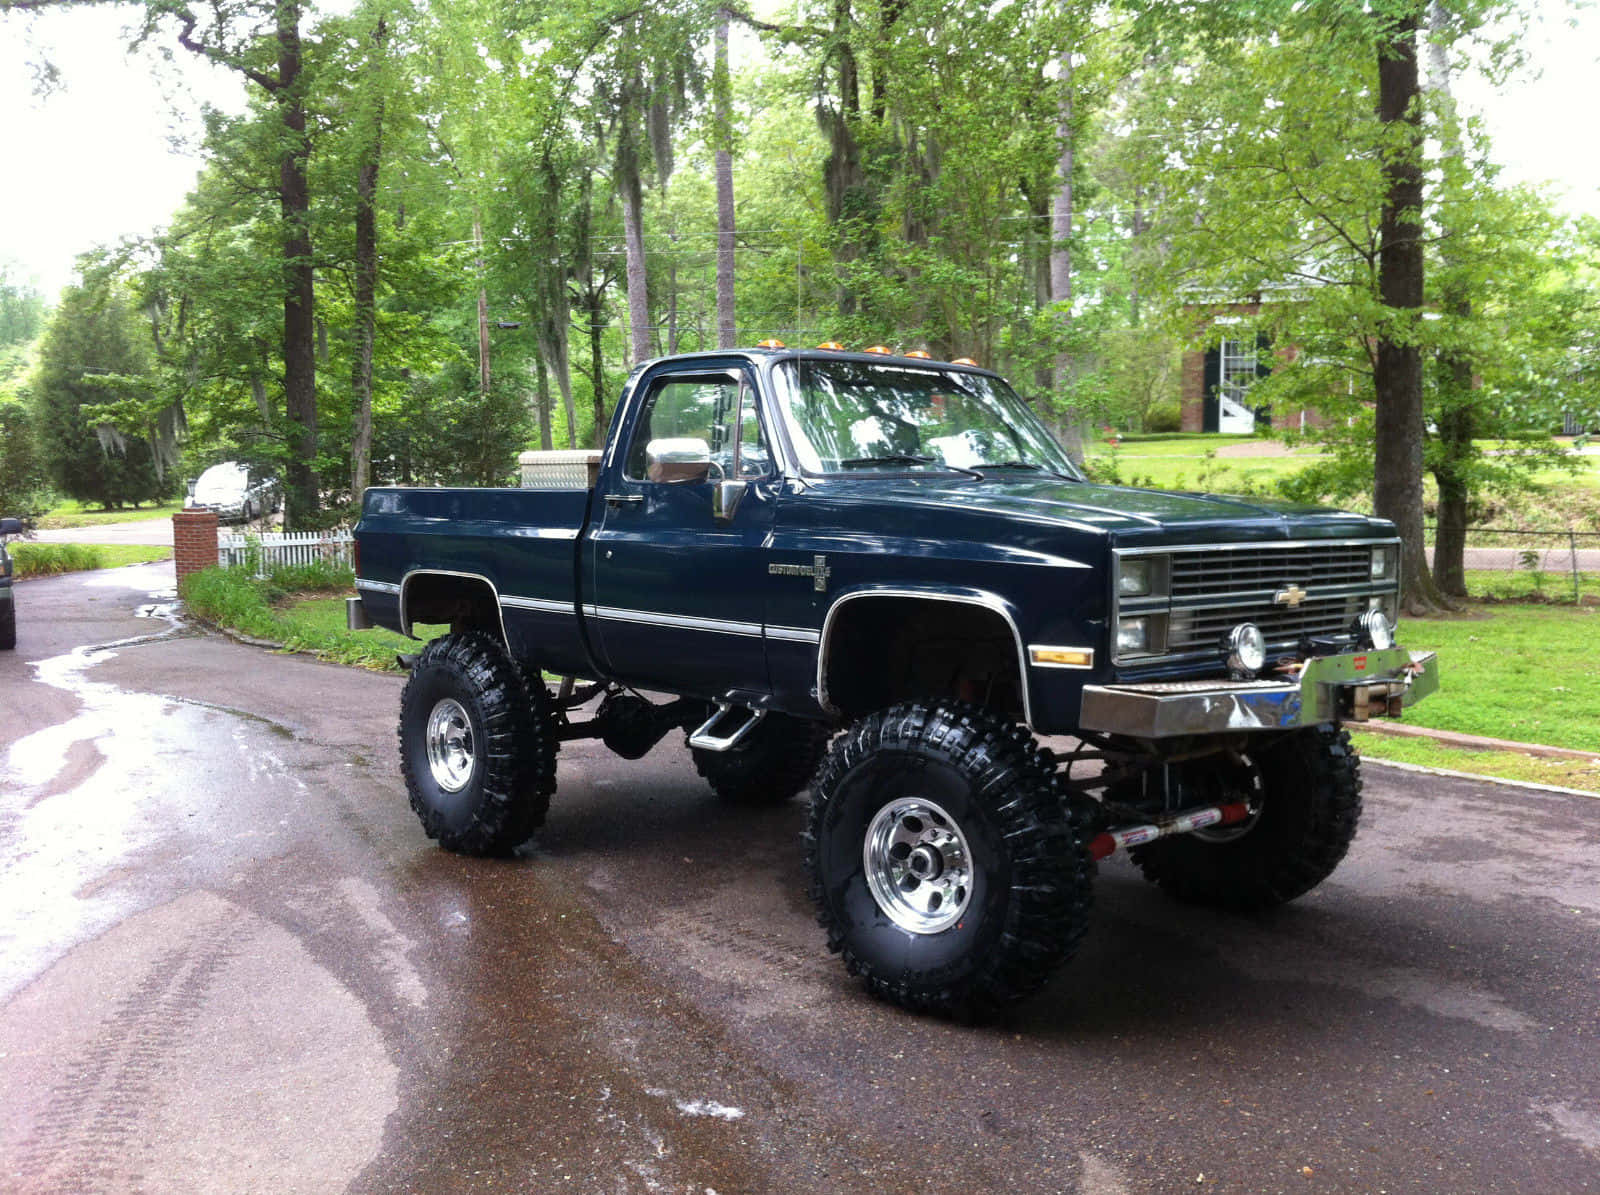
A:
(678, 459)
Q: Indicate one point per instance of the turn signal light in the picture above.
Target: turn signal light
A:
(1063, 657)
(879, 348)
(832, 344)
(769, 343)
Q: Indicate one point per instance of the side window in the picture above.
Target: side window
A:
(717, 412)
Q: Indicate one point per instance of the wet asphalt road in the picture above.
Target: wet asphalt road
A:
(229, 961)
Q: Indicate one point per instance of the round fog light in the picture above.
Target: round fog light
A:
(1247, 648)
(1378, 631)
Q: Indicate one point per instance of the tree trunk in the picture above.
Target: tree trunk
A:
(842, 175)
(597, 366)
(633, 243)
(1061, 272)
(1397, 378)
(542, 378)
(1455, 493)
(367, 280)
(483, 311)
(1456, 419)
(299, 297)
(727, 332)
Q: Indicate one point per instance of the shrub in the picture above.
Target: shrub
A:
(319, 574)
(44, 560)
(1164, 417)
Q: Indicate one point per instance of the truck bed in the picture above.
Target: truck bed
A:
(522, 542)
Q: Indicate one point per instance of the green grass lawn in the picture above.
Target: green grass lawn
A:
(43, 560)
(1196, 470)
(1527, 673)
(302, 608)
(78, 514)
(1581, 774)
(1520, 585)
(320, 619)
(1188, 444)
(1193, 462)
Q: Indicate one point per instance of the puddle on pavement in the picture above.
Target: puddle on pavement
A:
(118, 776)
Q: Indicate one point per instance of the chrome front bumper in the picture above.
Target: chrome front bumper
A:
(1343, 688)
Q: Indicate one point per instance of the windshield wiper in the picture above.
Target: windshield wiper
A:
(906, 458)
(1027, 465)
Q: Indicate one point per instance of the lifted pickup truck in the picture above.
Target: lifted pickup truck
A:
(881, 575)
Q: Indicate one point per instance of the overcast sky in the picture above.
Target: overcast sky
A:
(94, 161)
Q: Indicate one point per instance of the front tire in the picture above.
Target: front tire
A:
(1308, 787)
(476, 746)
(946, 868)
(8, 625)
(772, 763)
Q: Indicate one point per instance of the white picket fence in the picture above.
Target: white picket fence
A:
(273, 548)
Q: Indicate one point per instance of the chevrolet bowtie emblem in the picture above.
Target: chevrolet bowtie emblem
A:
(818, 570)
(1290, 597)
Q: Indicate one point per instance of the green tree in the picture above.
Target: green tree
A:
(94, 354)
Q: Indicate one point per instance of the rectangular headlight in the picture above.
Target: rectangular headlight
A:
(1134, 577)
(1133, 636)
(1385, 563)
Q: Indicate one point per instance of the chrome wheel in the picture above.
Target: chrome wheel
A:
(449, 745)
(918, 865)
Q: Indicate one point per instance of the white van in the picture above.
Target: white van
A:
(237, 491)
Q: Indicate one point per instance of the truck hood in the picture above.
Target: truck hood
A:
(1119, 510)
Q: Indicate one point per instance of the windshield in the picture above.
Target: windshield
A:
(853, 416)
(221, 480)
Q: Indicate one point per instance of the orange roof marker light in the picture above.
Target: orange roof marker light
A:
(879, 348)
(769, 343)
(920, 355)
(963, 361)
(833, 345)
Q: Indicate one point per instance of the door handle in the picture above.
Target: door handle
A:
(619, 499)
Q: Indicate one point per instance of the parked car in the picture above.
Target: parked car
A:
(236, 491)
(8, 601)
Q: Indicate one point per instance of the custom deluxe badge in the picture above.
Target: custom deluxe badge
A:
(817, 569)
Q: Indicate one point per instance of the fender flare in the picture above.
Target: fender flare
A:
(983, 598)
(405, 582)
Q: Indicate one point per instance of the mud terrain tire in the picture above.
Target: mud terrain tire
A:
(477, 746)
(973, 796)
(774, 762)
(1308, 783)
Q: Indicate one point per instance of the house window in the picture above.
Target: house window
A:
(1238, 369)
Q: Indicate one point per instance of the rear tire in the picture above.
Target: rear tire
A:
(1308, 785)
(476, 747)
(946, 868)
(774, 761)
(8, 625)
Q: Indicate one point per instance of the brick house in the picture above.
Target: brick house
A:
(1215, 381)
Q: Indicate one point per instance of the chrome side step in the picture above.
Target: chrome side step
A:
(707, 739)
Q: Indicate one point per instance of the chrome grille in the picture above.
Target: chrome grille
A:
(1226, 572)
(1194, 630)
(1289, 590)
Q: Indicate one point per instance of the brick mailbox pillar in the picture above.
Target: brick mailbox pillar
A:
(194, 541)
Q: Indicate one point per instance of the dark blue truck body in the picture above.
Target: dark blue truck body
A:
(791, 543)
(636, 582)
